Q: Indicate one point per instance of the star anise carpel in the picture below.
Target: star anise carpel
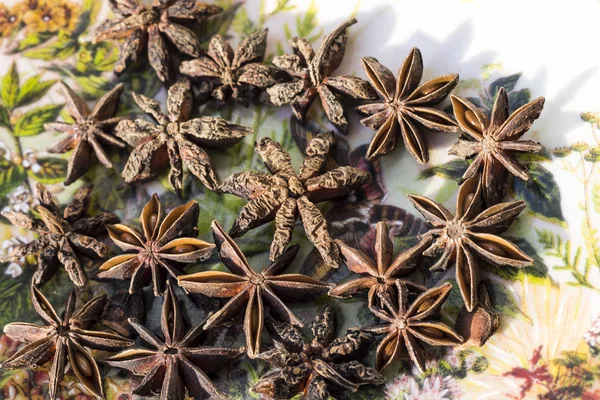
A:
(406, 107)
(165, 246)
(494, 143)
(64, 340)
(252, 290)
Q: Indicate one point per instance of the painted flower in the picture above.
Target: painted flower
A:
(10, 19)
(397, 389)
(51, 16)
(592, 336)
(434, 387)
(15, 266)
(19, 200)
(30, 158)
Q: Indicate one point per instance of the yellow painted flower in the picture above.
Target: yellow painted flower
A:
(51, 15)
(10, 19)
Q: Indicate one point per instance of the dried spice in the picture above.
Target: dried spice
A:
(63, 340)
(175, 139)
(310, 77)
(87, 134)
(155, 28)
(379, 275)
(119, 308)
(495, 146)
(470, 236)
(223, 73)
(314, 369)
(406, 107)
(285, 195)
(250, 289)
(175, 363)
(405, 326)
(165, 245)
(478, 325)
(66, 240)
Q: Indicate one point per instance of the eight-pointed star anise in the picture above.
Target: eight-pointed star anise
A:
(143, 27)
(310, 77)
(495, 147)
(285, 194)
(65, 240)
(175, 139)
(249, 289)
(405, 326)
(86, 135)
(62, 340)
(166, 245)
(314, 369)
(470, 236)
(405, 107)
(176, 363)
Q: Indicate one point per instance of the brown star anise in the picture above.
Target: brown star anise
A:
(65, 240)
(406, 326)
(140, 26)
(405, 107)
(285, 194)
(378, 276)
(310, 76)
(62, 340)
(177, 363)
(175, 139)
(495, 145)
(311, 370)
(471, 235)
(87, 133)
(246, 287)
(166, 245)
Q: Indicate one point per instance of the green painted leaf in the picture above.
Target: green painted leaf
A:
(51, 170)
(507, 82)
(32, 122)
(92, 86)
(10, 87)
(61, 49)
(31, 40)
(4, 117)
(504, 301)
(518, 98)
(214, 24)
(453, 170)
(596, 197)
(33, 89)
(11, 176)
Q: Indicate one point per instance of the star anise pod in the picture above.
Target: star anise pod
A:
(495, 145)
(87, 134)
(310, 77)
(470, 236)
(223, 73)
(284, 195)
(406, 107)
(250, 289)
(175, 139)
(379, 275)
(316, 368)
(174, 364)
(155, 28)
(165, 245)
(63, 340)
(405, 326)
(477, 326)
(62, 240)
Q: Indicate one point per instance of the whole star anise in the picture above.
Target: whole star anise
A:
(249, 289)
(495, 145)
(63, 340)
(165, 246)
(312, 370)
(65, 240)
(406, 107)
(284, 195)
(470, 236)
(405, 326)
(154, 28)
(175, 139)
(175, 364)
(87, 134)
(310, 77)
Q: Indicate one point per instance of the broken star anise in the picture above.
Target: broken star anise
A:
(175, 363)
(63, 340)
(315, 369)
(151, 27)
(406, 107)
(175, 139)
(495, 145)
(470, 236)
(251, 290)
(63, 240)
(310, 77)
(87, 133)
(405, 326)
(284, 195)
(165, 246)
